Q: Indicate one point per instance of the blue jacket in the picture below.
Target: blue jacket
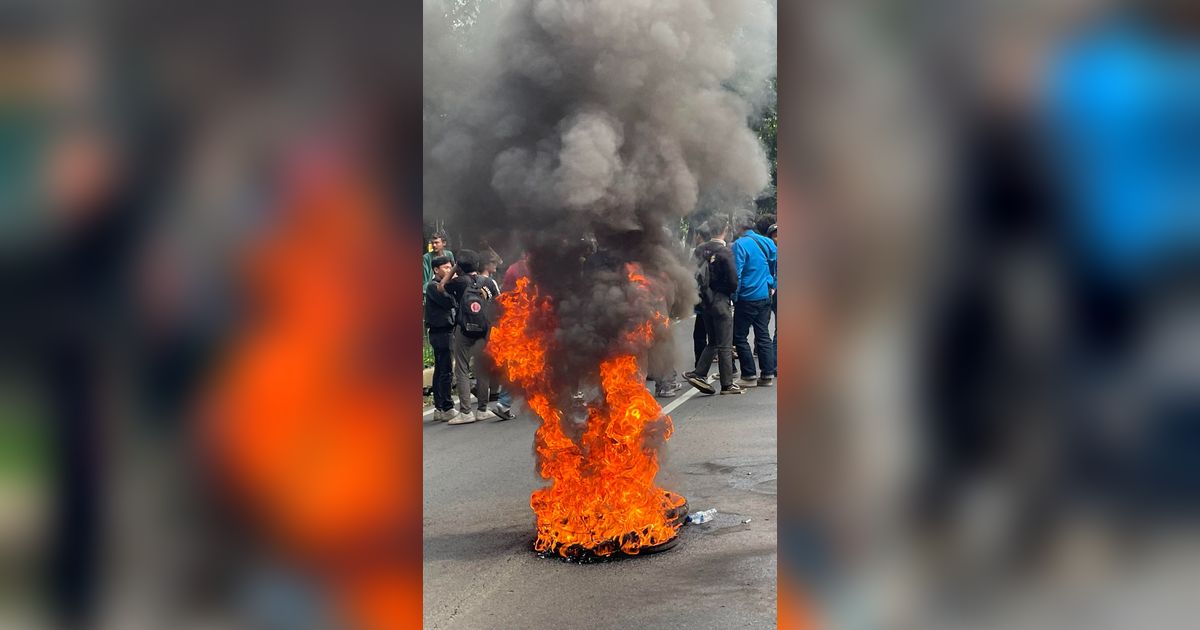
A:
(1124, 115)
(756, 272)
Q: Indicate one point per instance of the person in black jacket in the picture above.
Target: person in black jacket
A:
(469, 350)
(439, 319)
(715, 257)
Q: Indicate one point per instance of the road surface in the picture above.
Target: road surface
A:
(479, 571)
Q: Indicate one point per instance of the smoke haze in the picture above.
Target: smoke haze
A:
(569, 127)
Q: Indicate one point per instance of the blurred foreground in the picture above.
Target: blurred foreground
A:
(997, 268)
(201, 210)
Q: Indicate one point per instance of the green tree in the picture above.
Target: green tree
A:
(767, 129)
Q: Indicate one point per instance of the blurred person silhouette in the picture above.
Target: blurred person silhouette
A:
(1122, 111)
(516, 271)
(80, 184)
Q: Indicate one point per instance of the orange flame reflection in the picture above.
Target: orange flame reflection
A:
(301, 423)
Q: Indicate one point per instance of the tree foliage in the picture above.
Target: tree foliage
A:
(767, 129)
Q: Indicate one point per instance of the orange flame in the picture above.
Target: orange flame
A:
(602, 497)
(301, 423)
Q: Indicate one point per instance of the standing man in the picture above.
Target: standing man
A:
(503, 408)
(437, 247)
(472, 294)
(515, 272)
(699, 336)
(717, 280)
(439, 320)
(756, 257)
(773, 234)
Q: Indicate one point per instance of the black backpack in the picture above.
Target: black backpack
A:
(704, 279)
(473, 308)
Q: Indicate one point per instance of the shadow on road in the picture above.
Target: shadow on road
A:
(479, 545)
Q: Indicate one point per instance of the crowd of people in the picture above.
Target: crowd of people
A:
(736, 278)
(460, 296)
(737, 285)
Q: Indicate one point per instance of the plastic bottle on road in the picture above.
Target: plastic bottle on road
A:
(696, 518)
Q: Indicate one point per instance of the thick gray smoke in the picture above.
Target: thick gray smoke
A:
(567, 126)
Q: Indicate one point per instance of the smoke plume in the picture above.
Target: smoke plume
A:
(583, 131)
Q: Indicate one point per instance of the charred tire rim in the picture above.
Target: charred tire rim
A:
(675, 517)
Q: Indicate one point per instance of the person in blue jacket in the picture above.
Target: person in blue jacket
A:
(756, 258)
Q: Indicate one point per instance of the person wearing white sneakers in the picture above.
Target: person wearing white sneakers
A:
(472, 294)
(439, 321)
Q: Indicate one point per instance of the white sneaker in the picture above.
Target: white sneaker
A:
(748, 382)
(443, 416)
(483, 414)
(461, 418)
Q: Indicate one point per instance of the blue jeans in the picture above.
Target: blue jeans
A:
(756, 314)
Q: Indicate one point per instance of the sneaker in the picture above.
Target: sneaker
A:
(766, 381)
(483, 414)
(748, 382)
(733, 388)
(462, 418)
(439, 415)
(503, 413)
(702, 384)
(670, 390)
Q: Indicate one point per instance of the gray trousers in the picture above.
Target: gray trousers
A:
(718, 325)
(466, 351)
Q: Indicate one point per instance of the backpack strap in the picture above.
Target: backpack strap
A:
(766, 254)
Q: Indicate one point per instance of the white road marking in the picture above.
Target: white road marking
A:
(679, 401)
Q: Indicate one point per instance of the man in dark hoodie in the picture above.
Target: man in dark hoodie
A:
(718, 282)
(439, 320)
(469, 347)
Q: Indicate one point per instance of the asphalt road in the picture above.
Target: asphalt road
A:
(479, 570)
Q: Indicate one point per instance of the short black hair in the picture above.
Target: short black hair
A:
(438, 261)
(764, 223)
(705, 230)
(468, 261)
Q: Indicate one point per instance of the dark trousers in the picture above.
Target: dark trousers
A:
(699, 336)
(443, 368)
(756, 314)
(718, 326)
(468, 353)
